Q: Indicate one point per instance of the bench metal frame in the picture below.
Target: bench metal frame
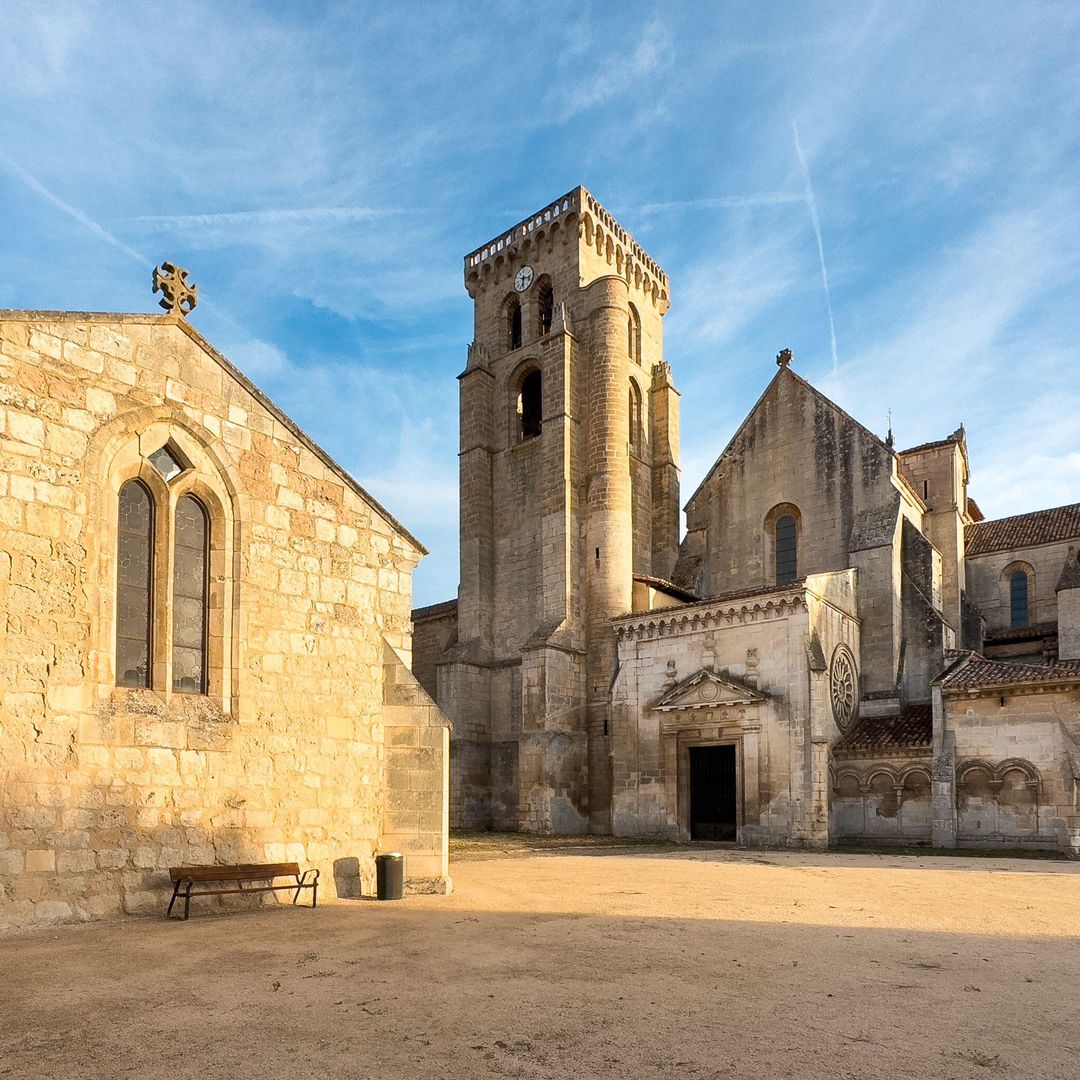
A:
(302, 882)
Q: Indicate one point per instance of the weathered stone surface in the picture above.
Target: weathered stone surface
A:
(102, 788)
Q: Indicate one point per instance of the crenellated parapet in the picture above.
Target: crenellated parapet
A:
(596, 229)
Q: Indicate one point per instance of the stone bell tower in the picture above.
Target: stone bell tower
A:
(569, 491)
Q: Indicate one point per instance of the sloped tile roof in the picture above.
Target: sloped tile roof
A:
(1023, 530)
(980, 673)
(913, 729)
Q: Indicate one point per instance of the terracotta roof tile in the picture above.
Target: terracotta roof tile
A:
(1023, 530)
(984, 673)
(913, 729)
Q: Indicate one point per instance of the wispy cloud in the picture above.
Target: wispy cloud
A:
(320, 215)
(721, 202)
(615, 76)
(72, 212)
(815, 221)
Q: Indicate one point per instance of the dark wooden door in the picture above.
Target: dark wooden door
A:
(712, 792)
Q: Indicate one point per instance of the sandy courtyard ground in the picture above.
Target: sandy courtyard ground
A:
(617, 962)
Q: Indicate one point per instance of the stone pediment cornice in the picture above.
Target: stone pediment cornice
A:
(715, 614)
(709, 690)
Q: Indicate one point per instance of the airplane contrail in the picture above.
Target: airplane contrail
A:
(811, 204)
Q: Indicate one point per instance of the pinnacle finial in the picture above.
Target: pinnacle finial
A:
(177, 295)
(784, 358)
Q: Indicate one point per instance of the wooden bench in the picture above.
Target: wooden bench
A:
(185, 878)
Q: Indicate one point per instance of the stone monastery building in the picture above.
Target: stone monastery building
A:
(838, 648)
(205, 632)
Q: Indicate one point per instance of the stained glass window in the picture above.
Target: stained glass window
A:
(134, 584)
(1018, 599)
(190, 552)
(787, 567)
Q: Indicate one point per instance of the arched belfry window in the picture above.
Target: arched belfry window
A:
(530, 406)
(633, 329)
(545, 303)
(513, 323)
(190, 586)
(134, 585)
(635, 416)
(1018, 599)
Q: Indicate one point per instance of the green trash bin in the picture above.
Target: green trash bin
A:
(390, 875)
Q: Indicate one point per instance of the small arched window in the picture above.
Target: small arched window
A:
(786, 547)
(633, 330)
(545, 302)
(190, 558)
(635, 416)
(134, 584)
(530, 406)
(1018, 599)
(513, 323)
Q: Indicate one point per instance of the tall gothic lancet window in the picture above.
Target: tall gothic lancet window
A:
(633, 330)
(1018, 599)
(530, 406)
(134, 584)
(513, 323)
(190, 557)
(787, 561)
(545, 300)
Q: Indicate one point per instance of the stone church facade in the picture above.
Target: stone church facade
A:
(839, 648)
(205, 634)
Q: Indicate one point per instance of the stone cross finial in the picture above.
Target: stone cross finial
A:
(784, 358)
(176, 294)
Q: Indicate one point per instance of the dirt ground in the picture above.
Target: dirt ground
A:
(616, 961)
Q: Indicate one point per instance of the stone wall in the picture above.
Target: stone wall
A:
(988, 583)
(554, 525)
(1017, 764)
(434, 631)
(776, 712)
(103, 788)
(795, 449)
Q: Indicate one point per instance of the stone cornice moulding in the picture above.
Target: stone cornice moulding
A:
(710, 615)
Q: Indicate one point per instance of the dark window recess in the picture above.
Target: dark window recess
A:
(530, 406)
(545, 300)
(1018, 600)
(635, 417)
(712, 793)
(787, 561)
(633, 330)
(134, 584)
(190, 597)
(514, 323)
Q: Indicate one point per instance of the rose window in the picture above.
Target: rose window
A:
(843, 687)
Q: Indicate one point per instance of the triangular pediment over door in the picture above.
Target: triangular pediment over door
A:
(708, 689)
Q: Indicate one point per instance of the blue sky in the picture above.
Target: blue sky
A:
(890, 190)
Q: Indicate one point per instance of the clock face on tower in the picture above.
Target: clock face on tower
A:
(523, 279)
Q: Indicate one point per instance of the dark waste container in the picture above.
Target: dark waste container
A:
(390, 875)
